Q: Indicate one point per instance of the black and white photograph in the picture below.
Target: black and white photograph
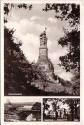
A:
(41, 50)
(22, 109)
(61, 109)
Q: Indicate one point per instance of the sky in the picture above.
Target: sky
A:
(29, 25)
(22, 99)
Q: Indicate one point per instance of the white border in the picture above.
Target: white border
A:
(41, 1)
(82, 62)
(2, 65)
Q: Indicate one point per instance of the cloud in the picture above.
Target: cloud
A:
(65, 75)
(33, 18)
(30, 46)
(55, 55)
(25, 26)
(30, 27)
(56, 49)
(52, 20)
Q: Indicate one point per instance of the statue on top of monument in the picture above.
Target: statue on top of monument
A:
(43, 38)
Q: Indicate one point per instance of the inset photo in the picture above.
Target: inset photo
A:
(61, 109)
(22, 109)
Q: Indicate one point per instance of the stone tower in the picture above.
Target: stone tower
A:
(43, 50)
(43, 60)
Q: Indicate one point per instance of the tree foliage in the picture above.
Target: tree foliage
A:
(15, 64)
(65, 11)
(71, 61)
(36, 106)
(8, 7)
(71, 13)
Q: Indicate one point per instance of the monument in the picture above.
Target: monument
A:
(49, 82)
(43, 60)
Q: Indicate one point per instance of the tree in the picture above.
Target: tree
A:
(15, 64)
(76, 85)
(37, 108)
(71, 13)
(39, 74)
(8, 7)
(71, 61)
(73, 107)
